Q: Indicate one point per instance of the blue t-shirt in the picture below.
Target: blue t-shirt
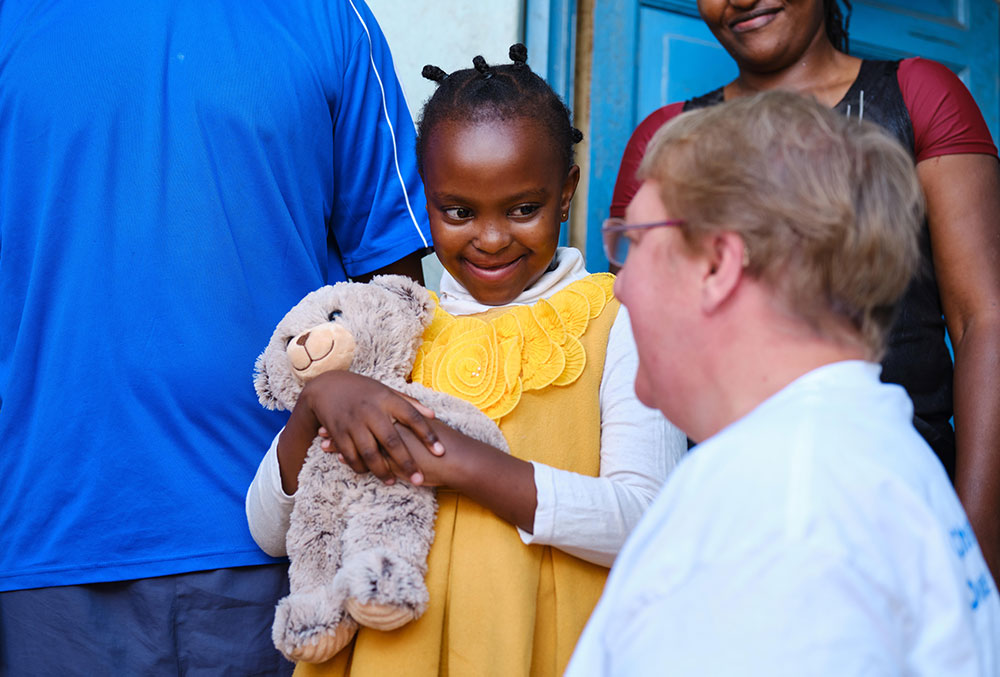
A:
(174, 176)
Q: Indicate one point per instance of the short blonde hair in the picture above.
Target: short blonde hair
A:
(830, 208)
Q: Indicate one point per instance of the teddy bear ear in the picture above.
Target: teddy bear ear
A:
(262, 384)
(416, 297)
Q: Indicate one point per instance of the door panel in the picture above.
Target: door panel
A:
(678, 57)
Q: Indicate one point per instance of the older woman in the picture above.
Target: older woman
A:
(800, 46)
(812, 531)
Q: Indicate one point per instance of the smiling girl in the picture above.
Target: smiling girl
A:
(522, 540)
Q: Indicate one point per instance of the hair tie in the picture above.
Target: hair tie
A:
(576, 135)
(479, 63)
(434, 73)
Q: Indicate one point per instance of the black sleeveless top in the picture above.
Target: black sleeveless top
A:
(917, 357)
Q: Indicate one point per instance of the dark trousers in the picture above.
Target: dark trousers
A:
(209, 623)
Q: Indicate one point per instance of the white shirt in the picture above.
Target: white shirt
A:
(589, 517)
(819, 535)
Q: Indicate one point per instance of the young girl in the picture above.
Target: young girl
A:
(522, 540)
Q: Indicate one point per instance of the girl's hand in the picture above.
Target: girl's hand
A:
(428, 463)
(437, 470)
(496, 480)
(358, 415)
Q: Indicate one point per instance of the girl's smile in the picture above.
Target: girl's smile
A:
(489, 270)
(497, 192)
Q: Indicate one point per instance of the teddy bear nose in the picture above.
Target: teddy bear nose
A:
(310, 347)
(317, 343)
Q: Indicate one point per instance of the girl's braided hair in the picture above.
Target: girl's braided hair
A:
(486, 93)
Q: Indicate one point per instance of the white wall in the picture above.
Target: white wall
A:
(447, 34)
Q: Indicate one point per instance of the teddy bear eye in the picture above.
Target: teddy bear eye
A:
(288, 341)
(334, 314)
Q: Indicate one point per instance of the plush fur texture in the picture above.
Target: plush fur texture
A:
(358, 548)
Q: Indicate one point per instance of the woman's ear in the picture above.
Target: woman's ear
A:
(569, 189)
(725, 255)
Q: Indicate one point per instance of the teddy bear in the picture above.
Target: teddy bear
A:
(358, 548)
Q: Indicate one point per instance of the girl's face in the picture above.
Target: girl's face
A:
(763, 36)
(496, 192)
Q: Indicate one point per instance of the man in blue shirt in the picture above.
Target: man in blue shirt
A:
(174, 176)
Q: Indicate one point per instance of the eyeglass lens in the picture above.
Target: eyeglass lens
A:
(615, 246)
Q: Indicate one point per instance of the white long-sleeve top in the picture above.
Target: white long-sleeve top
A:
(588, 517)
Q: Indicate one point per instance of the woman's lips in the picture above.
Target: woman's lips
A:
(753, 20)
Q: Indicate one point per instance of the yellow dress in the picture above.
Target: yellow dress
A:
(497, 606)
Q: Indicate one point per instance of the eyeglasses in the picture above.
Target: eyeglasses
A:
(616, 242)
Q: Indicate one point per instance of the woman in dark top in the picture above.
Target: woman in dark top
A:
(800, 45)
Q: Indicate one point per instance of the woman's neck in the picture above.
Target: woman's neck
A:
(822, 72)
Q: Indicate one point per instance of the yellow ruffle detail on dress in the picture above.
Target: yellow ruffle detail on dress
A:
(492, 363)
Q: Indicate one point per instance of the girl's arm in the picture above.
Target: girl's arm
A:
(268, 507)
(358, 413)
(496, 480)
(589, 517)
(963, 210)
(356, 408)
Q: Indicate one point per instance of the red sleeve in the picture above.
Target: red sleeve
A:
(945, 117)
(626, 186)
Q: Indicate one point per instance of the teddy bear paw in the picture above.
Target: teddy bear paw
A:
(324, 647)
(379, 616)
(312, 626)
(384, 590)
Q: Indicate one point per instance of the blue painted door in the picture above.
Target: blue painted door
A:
(648, 53)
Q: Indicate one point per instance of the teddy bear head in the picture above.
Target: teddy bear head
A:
(371, 328)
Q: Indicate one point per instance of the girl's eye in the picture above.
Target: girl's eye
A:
(458, 213)
(525, 210)
(334, 314)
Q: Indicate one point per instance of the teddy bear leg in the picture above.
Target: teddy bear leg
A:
(378, 574)
(311, 624)
(385, 546)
